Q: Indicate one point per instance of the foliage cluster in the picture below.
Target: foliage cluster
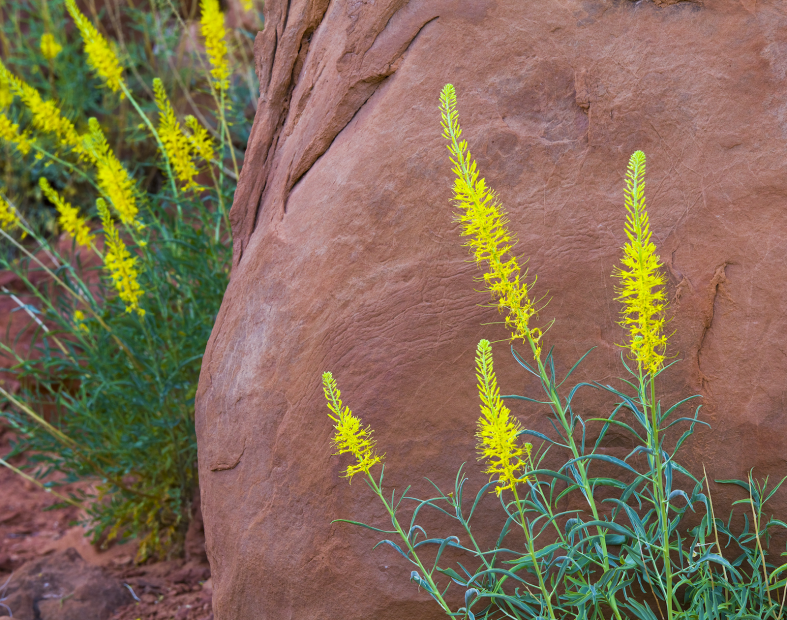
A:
(646, 543)
(113, 210)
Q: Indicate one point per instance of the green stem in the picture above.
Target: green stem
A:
(581, 467)
(226, 131)
(658, 487)
(19, 472)
(532, 553)
(427, 575)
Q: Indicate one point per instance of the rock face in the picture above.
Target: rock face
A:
(347, 259)
(63, 586)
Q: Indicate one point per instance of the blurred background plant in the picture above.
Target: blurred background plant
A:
(123, 128)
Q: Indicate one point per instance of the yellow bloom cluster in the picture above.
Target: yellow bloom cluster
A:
(69, 218)
(120, 264)
(212, 29)
(10, 133)
(100, 55)
(113, 178)
(8, 216)
(46, 115)
(177, 145)
(485, 222)
(200, 140)
(642, 291)
(497, 430)
(49, 47)
(350, 437)
(79, 321)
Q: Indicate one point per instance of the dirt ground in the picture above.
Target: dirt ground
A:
(172, 590)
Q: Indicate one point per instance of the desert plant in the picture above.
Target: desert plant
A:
(120, 316)
(632, 551)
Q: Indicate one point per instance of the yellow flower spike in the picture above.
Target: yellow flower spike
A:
(200, 140)
(177, 145)
(212, 29)
(485, 222)
(10, 133)
(120, 264)
(497, 429)
(350, 437)
(113, 178)
(49, 47)
(642, 282)
(69, 218)
(100, 55)
(8, 216)
(46, 115)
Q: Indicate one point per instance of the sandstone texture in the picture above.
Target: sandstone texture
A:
(347, 258)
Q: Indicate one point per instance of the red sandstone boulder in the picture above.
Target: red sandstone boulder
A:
(346, 257)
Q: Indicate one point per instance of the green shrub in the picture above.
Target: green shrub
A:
(633, 551)
(121, 316)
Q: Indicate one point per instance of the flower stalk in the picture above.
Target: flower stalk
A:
(350, 437)
(484, 221)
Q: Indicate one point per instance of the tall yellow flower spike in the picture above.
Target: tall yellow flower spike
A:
(121, 265)
(484, 221)
(46, 115)
(100, 55)
(212, 29)
(350, 437)
(8, 216)
(497, 430)
(177, 145)
(200, 140)
(113, 179)
(642, 282)
(69, 219)
(50, 48)
(10, 133)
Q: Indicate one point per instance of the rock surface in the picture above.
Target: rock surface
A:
(63, 586)
(346, 257)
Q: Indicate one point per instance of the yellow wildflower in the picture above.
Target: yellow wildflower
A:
(120, 264)
(10, 133)
(200, 140)
(497, 430)
(484, 220)
(642, 291)
(6, 96)
(248, 5)
(113, 178)
(177, 146)
(46, 115)
(212, 29)
(100, 55)
(49, 47)
(8, 216)
(69, 220)
(350, 437)
(79, 321)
